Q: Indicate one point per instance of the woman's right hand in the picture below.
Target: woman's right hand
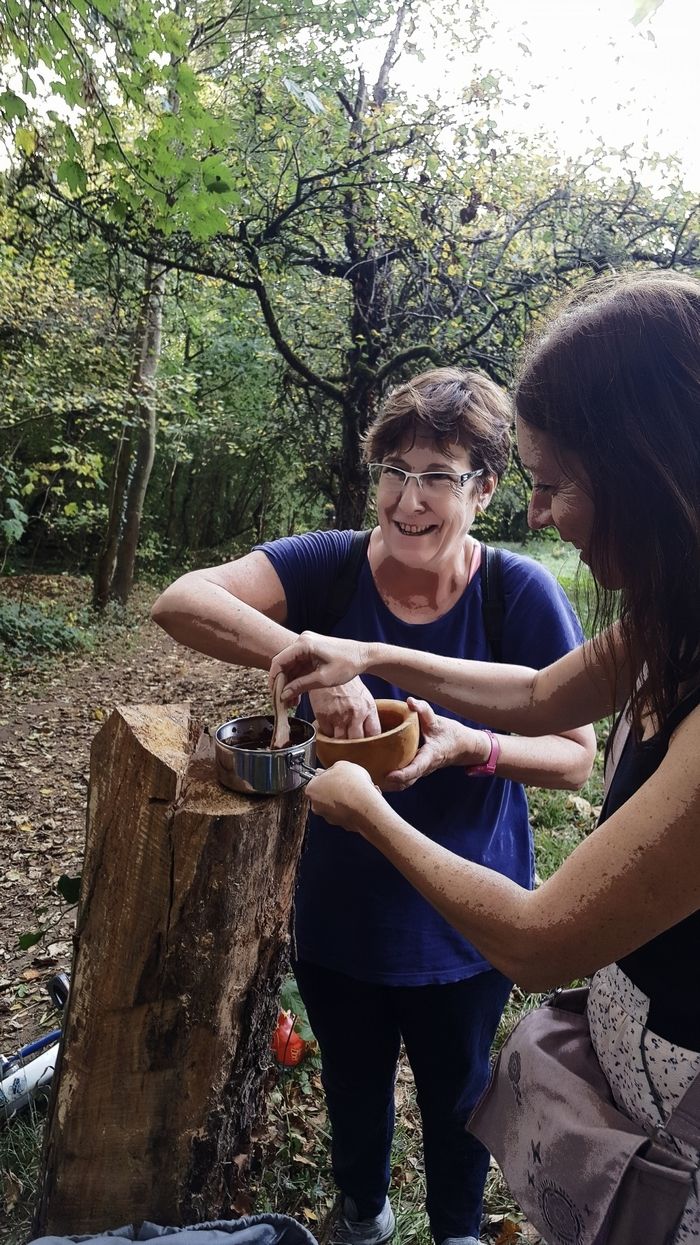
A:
(313, 661)
(345, 712)
(345, 795)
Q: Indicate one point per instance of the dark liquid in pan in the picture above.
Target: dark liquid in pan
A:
(259, 738)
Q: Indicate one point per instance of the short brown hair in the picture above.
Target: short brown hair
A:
(448, 406)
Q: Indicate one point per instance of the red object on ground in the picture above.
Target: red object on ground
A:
(288, 1048)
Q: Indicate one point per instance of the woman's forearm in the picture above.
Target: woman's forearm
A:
(482, 905)
(501, 695)
(205, 616)
(572, 692)
(562, 762)
(539, 939)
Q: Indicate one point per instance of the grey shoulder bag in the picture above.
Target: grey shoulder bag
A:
(582, 1172)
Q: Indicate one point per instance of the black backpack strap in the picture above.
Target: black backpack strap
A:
(492, 598)
(342, 589)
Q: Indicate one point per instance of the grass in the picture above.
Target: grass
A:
(20, 1149)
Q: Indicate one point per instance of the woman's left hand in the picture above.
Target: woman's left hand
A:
(344, 795)
(445, 742)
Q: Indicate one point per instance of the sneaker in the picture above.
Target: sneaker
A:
(461, 1240)
(350, 1230)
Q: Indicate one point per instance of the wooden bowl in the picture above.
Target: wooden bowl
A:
(378, 754)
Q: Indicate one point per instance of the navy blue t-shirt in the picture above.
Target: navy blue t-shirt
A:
(355, 913)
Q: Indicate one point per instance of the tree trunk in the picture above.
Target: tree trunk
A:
(354, 483)
(114, 573)
(180, 944)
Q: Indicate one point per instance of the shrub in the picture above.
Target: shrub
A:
(26, 630)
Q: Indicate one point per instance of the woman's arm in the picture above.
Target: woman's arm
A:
(234, 612)
(561, 761)
(237, 613)
(637, 875)
(572, 692)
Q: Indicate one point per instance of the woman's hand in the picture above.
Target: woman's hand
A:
(313, 661)
(346, 712)
(445, 742)
(344, 795)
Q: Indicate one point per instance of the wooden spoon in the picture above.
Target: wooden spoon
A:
(280, 733)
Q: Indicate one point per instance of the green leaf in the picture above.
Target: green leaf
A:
(290, 1000)
(216, 185)
(25, 941)
(73, 173)
(12, 530)
(25, 140)
(12, 106)
(69, 888)
(110, 151)
(57, 35)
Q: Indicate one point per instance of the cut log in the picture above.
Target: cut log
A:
(181, 939)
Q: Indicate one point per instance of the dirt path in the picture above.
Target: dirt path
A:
(47, 722)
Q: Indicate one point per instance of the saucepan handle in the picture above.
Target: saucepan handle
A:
(300, 767)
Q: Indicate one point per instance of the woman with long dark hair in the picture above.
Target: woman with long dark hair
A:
(608, 424)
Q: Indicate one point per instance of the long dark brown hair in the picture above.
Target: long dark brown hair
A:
(614, 380)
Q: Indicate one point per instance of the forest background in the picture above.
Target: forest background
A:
(221, 242)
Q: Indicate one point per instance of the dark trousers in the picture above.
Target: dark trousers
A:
(447, 1033)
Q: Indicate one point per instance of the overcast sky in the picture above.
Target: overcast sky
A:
(591, 74)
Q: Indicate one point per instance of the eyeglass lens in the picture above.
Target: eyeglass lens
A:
(394, 479)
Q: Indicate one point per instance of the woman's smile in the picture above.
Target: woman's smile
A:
(415, 529)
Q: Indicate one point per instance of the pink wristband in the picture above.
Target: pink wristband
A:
(488, 767)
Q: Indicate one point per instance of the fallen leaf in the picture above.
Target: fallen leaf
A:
(11, 1189)
(582, 806)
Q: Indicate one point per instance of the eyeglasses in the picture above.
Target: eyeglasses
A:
(433, 483)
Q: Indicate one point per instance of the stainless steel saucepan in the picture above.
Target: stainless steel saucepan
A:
(245, 762)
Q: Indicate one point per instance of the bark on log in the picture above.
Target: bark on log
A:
(182, 930)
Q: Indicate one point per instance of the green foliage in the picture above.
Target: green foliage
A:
(327, 237)
(12, 528)
(64, 351)
(26, 630)
(291, 1001)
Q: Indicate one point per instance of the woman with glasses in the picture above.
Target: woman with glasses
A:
(376, 964)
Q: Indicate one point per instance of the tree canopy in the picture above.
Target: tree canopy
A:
(294, 237)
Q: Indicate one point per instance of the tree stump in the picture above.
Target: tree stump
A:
(182, 929)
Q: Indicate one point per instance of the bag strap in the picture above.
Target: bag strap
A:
(492, 598)
(343, 587)
(343, 590)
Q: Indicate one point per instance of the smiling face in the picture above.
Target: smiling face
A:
(561, 496)
(421, 530)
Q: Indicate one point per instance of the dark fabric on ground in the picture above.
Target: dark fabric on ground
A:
(251, 1230)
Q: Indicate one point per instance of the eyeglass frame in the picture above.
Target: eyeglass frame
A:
(457, 477)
